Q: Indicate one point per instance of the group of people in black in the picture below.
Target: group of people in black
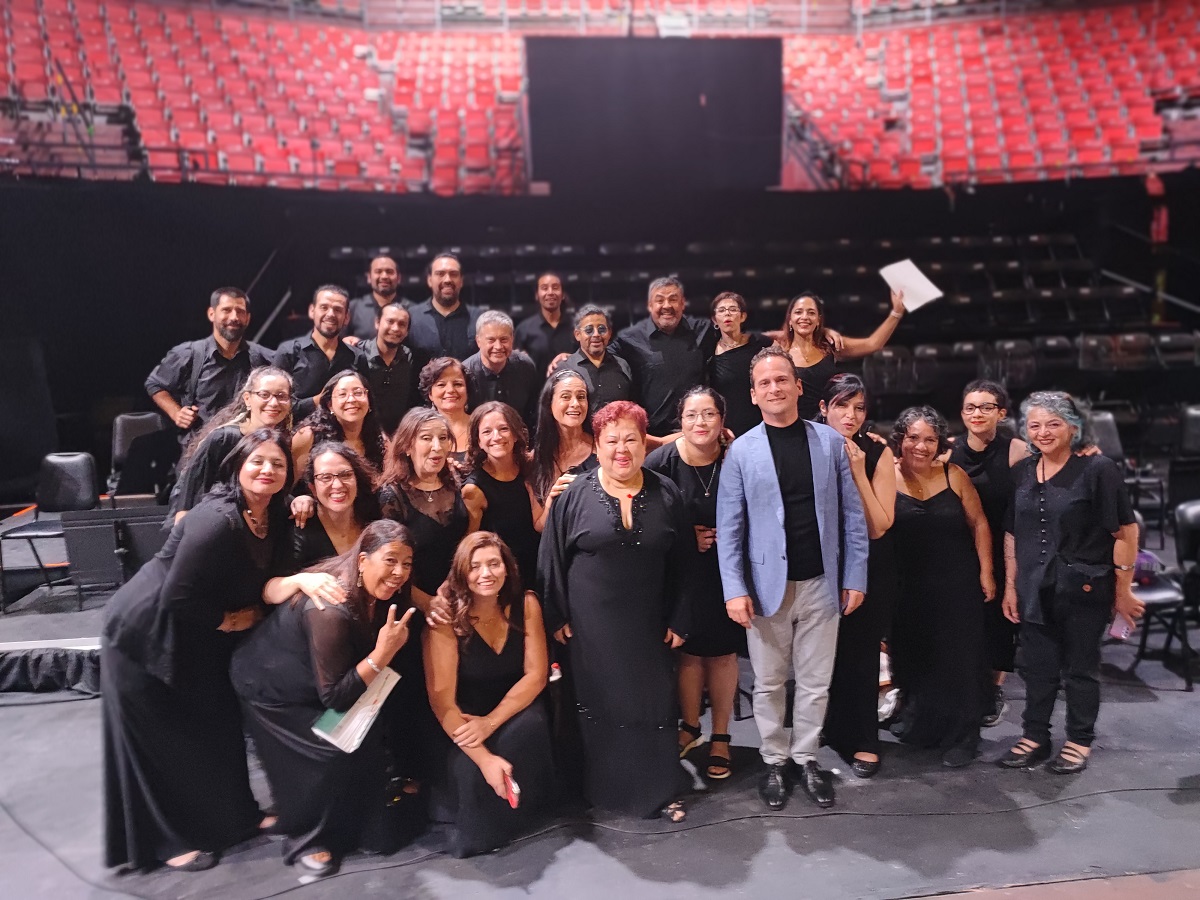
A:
(617, 515)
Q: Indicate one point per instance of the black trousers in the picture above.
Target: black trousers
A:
(1066, 647)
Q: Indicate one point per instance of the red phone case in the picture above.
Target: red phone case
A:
(512, 790)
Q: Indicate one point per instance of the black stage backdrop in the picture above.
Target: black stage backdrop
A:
(703, 115)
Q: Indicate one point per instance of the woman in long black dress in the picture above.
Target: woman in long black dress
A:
(176, 784)
(943, 555)
(852, 717)
(498, 486)
(485, 674)
(562, 446)
(709, 657)
(729, 366)
(815, 350)
(264, 402)
(611, 570)
(343, 413)
(342, 487)
(307, 658)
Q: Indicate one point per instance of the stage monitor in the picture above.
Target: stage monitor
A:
(628, 114)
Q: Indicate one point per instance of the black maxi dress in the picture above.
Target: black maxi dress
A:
(937, 647)
(991, 474)
(295, 665)
(620, 589)
(175, 773)
(852, 716)
(509, 514)
(479, 820)
(729, 375)
(713, 632)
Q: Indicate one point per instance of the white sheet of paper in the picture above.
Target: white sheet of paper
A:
(905, 276)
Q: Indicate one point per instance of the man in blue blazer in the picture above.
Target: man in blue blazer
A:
(792, 543)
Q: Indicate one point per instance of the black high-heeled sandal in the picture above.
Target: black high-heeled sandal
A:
(696, 741)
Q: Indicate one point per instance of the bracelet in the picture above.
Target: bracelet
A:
(374, 668)
(1123, 568)
(895, 315)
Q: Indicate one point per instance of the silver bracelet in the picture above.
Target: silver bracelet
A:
(375, 668)
(1124, 568)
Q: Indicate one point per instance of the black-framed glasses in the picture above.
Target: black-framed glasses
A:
(346, 476)
(589, 330)
(727, 310)
(283, 398)
(981, 407)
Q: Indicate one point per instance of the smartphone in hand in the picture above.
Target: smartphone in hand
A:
(512, 791)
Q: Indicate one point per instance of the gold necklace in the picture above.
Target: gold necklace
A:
(258, 528)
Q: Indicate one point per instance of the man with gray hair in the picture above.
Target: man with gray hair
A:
(666, 352)
(607, 377)
(497, 372)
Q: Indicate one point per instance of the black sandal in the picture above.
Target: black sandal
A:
(1025, 754)
(722, 764)
(675, 812)
(201, 862)
(1068, 762)
(696, 741)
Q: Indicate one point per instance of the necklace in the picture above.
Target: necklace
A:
(711, 478)
(259, 528)
(732, 345)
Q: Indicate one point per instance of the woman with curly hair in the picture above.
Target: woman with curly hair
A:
(342, 486)
(485, 673)
(444, 383)
(343, 413)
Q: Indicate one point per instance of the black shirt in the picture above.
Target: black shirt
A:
(362, 313)
(393, 388)
(310, 368)
(1068, 520)
(793, 467)
(433, 334)
(217, 381)
(665, 365)
(542, 341)
(611, 380)
(516, 384)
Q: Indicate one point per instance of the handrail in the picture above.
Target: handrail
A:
(1146, 289)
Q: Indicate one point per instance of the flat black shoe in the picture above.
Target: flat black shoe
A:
(960, 755)
(1068, 762)
(203, 861)
(816, 784)
(1014, 759)
(775, 787)
(864, 768)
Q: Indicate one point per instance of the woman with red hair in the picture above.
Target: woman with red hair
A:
(611, 569)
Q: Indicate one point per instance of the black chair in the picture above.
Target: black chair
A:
(1171, 596)
(1146, 490)
(67, 481)
(127, 428)
(1014, 364)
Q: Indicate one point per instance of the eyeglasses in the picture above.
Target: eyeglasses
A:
(708, 415)
(727, 310)
(282, 398)
(346, 476)
(353, 394)
(589, 330)
(982, 407)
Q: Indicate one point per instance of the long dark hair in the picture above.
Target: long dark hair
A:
(397, 468)
(841, 388)
(463, 622)
(237, 411)
(326, 427)
(366, 505)
(820, 339)
(228, 475)
(546, 439)
(344, 567)
(476, 456)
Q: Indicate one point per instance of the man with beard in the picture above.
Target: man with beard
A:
(443, 325)
(607, 377)
(197, 378)
(497, 372)
(311, 358)
(383, 278)
(391, 368)
(546, 333)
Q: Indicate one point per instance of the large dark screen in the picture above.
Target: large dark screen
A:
(608, 114)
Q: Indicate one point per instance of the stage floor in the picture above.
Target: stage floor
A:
(915, 830)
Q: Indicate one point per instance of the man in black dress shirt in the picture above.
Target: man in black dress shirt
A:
(607, 377)
(666, 352)
(197, 378)
(390, 367)
(383, 279)
(497, 372)
(311, 358)
(548, 332)
(443, 325)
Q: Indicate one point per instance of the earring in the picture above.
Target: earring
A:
(360, 577)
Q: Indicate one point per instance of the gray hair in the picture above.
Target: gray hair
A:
(1059, 403)
(915, 414)
(592, 309)
(666, 281)
(493, 317)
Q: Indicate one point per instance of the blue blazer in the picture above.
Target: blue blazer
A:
(751, 544)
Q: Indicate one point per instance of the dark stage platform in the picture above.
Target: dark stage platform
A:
(916, 830)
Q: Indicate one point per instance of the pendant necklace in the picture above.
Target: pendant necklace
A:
(711, 478)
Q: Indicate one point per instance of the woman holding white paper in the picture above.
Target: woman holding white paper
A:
(308, 657)
(815, 351)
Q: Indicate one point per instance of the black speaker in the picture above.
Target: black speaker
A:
(105, 547)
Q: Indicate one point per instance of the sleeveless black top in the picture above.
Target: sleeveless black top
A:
(485, 676)
(509, 514)
(814, 379)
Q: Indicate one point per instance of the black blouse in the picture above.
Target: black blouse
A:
(729, 375)
(1069, 520)
(199, 474)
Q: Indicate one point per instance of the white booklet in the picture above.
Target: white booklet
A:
(904, 276)
(347, 730)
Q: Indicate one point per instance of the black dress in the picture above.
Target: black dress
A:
(938, 658)
(295, 665)
(852, 716)
(620, 590)
(479, 820)
(991, 474)
(311, 543)
(175, 774)
(509, 514)
(813, 379)
(713, 632)
(729, 375)
(199, 472)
